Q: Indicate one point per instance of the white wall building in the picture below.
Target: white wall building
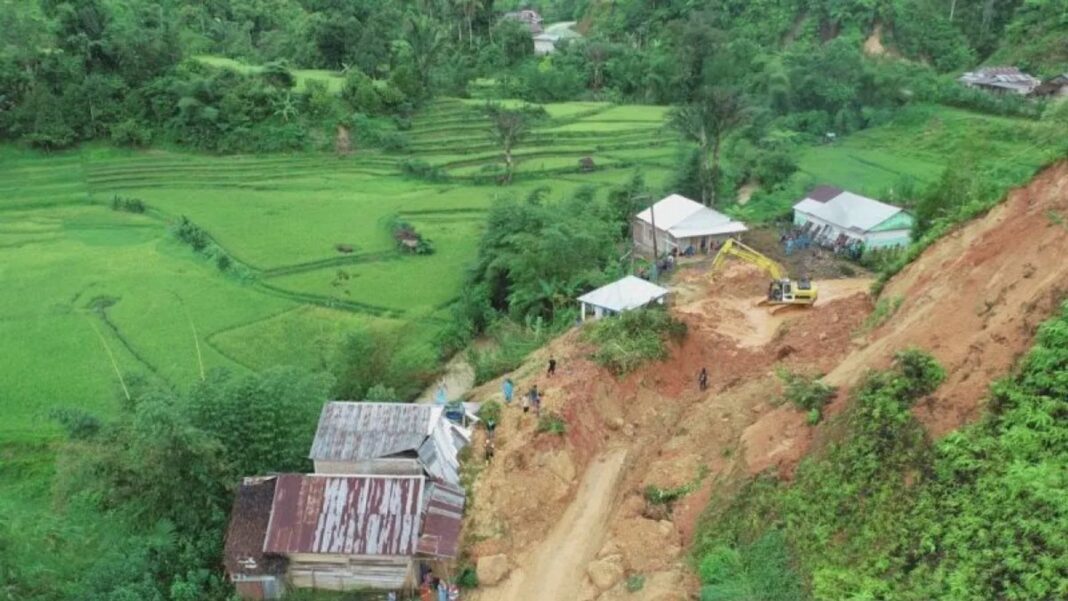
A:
(835, 216)
(681, 223)
(621, 295)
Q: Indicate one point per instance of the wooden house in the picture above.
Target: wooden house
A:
(338, 533)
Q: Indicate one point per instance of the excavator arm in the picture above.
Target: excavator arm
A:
(736, 249)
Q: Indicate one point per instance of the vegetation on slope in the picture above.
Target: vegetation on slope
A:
(887, 514)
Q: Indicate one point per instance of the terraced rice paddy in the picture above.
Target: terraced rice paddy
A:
(117, 298)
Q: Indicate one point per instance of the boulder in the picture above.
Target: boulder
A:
(492, 569)
(604, 574)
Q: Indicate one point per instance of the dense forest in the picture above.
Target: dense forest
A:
(126, 70)
(749, 82)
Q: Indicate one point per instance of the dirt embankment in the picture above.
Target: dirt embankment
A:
(569, 524)
(975, 298)
(565, 516)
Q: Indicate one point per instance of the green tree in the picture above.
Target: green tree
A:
(715, 115)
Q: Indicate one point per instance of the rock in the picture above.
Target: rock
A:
(492, 569)
(604, 574)
(615, 423)
(561, 466)
(609, 548)
(665, 527)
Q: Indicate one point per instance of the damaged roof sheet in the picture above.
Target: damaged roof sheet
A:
(443, 516)
(248, 527)
(361, 431)
(345, 515)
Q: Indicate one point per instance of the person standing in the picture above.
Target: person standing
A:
(535, 400)
(702, 379)
(443, 393)
(509, 389)
(552, 366)
(443, 590)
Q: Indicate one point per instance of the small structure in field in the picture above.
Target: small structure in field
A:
(388, 438)
(625, 294)
(1053, 87)
(338, 532)
(586, 165)
(679, 224)
(835, 217)
(1000, 80)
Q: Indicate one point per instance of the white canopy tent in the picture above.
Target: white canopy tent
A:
(622, 295)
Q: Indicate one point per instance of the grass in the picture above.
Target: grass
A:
(95, 298)
(334, 81)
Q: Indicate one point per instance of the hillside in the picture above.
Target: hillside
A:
(574, 510)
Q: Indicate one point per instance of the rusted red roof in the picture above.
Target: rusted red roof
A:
(359, 431)
(248, 527)
(442, 518)
(347, 515)
(824, 193)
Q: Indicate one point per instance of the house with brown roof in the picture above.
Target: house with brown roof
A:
(337, 532)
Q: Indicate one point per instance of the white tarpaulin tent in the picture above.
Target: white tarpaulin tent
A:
(622, 295)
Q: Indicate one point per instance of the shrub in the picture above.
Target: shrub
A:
(422, 170)
(626, 341)
(190, 233)
(130, 205)
(380, 393)
(921, 371)
(552, 423)
(131, 133)
(635, 583)
(490, 413)
(468, 577)
(805, 393)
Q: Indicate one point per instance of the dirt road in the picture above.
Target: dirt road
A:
(458, 378)
(555, 568)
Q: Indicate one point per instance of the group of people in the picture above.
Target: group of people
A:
(434, 589)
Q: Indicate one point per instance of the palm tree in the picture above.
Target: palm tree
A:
(706, 122)
(426, 41)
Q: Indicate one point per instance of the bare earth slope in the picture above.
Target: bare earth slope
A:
(975, 297)
(568, 511)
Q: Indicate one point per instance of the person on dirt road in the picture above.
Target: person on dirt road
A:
(702, 379)
(508, 388)
(552, 366)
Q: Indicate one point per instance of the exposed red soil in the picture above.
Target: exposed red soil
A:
(975, 298)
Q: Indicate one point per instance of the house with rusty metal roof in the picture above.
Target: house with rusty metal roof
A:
(388, 438)
(338, 532)
(1000, 80)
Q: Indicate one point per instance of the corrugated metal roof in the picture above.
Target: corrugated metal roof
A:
(439, 453)
(360, 431)
(442, 519)
(849, 211)
(824, 193)
(346, 515)
(624, 294)
(243, 555)
(684, 218)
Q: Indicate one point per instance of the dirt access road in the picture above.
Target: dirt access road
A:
(554, 569)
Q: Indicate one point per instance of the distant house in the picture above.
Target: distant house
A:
(545, 43)
(338, 532)
(387, 438)
(529, 17)
(680, 223)
(622, 295)
(1054, 86)
(837, 217)
(1000, 80)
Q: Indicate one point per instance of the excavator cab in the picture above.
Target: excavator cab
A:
(781, 290)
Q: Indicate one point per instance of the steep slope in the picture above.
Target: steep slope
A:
(975, 298)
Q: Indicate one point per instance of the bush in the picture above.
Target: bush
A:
(921, 372)
(552, 423)
(190, 233)
(490, 414)
(131, 133)
(635, 583)
(804, 392)
(423, 170)
(130, 205)
(468, 578)
(627, 341)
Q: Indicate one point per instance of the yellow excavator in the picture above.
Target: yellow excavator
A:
(782, 290)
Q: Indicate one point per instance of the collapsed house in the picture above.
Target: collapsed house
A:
(385, 497)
